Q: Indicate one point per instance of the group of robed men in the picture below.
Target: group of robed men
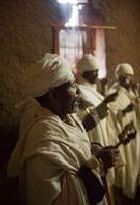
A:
(77, 155)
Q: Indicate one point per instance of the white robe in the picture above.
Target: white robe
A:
(126, 177)
(104, 132)
(48, 155)
(94, 98)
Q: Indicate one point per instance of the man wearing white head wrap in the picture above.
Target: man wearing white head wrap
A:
(88, 70)
(87, 63)
(124, 69)
(53, 151)
(104, 132)
(124, 111)
(55, 72)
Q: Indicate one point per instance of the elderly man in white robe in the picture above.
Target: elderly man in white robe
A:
(103, 132)
(124, 110)
(87, 84)
(53, 155)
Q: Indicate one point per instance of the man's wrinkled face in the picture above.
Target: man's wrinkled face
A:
(91, 76)
(126, 81)
(67, 96)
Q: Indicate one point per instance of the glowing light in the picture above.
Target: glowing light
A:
(68, 1)
(80, 7)
(74, 20)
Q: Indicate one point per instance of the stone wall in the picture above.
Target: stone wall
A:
(25, 36)
(122, 44)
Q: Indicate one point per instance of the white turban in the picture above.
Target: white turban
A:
(87, 63)
(55, 72)
(124, 69)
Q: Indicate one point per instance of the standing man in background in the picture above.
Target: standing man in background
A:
(124, 110)
(103, 132)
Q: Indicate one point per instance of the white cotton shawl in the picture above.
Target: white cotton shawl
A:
(88, 90)
(126, 178)
(105, 132)
(28, 108)
(61, 147)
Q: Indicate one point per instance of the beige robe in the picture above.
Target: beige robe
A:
(48, 155)
(105, 132)
(93, 98)
(126, 176)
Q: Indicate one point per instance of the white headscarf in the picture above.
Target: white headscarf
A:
(55, 72)
(124, 69)
(87, 63)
